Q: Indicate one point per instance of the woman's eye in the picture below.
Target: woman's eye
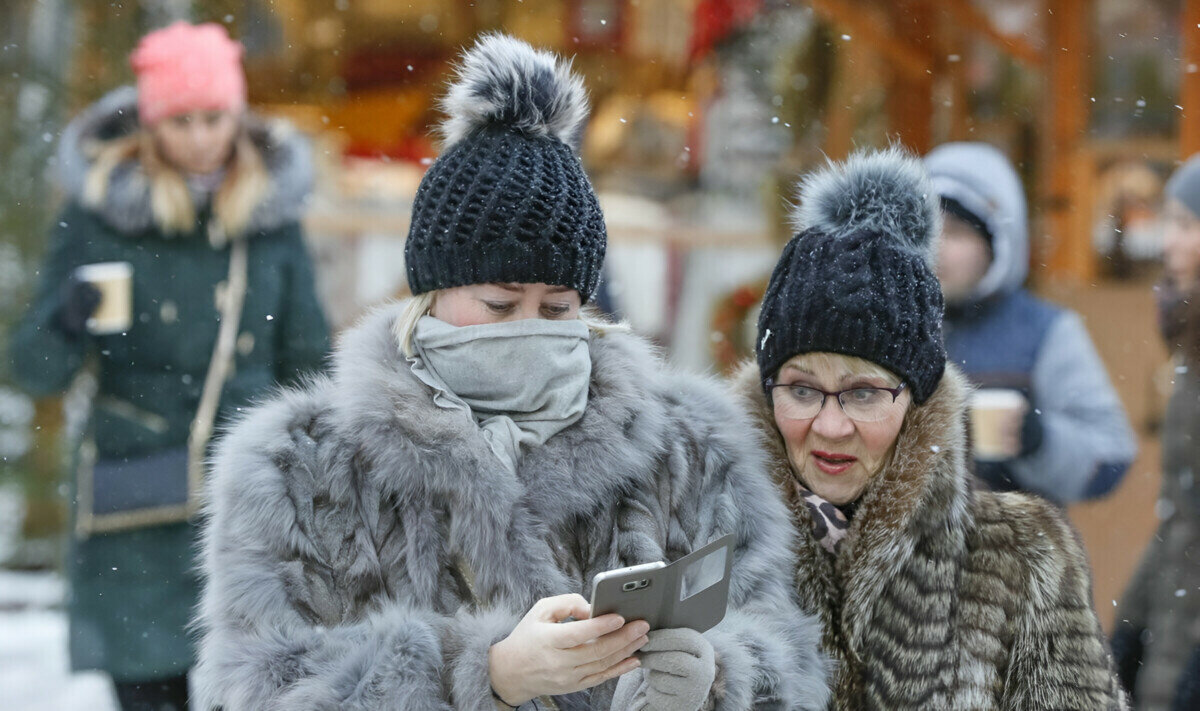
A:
(803, 394)
(555, 310)
(498, 307)
(866, 396)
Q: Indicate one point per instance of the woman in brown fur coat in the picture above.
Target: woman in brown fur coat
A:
(932, 595)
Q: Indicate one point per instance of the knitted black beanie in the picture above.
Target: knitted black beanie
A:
(508, 200)
(857, 278)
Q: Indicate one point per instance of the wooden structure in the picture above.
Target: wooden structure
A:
(920, 41)
(1189, 91)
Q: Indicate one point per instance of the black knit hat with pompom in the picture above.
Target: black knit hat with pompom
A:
(508, 200)
(857, 279)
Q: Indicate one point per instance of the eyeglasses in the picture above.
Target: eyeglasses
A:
(802, 402)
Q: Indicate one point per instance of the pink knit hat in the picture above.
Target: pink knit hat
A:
(185, 68)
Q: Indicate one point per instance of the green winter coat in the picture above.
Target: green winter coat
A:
(132, 593)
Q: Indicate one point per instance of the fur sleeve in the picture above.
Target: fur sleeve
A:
(1059, 658)
(262, 644)
(767, 649)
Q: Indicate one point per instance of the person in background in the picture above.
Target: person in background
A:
(167, 178)
(933, 595)
(416, 529)
(1047, 419)
(1157, 635)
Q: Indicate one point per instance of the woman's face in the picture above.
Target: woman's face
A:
(833, 455)
(1181, 245)
(199, 142)
(480, 304)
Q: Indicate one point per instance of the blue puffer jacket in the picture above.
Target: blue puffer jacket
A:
(1077, 442)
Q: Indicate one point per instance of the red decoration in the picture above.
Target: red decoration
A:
(729, 325)
(715, 20)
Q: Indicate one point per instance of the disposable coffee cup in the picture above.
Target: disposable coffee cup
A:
(114, 281)
(990, 409)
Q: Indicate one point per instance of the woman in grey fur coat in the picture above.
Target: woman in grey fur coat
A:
(414, 530)
(933, 596)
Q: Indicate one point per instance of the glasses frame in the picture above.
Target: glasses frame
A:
(769, 385)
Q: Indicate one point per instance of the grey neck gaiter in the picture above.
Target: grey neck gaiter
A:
(522, 381)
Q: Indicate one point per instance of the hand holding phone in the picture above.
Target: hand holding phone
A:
(547, 656)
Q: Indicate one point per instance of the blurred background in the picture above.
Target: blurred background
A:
(704, 113)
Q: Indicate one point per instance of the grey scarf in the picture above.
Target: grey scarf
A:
(522, 381)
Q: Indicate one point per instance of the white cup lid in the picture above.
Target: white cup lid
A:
(997, 399)
(104, 270)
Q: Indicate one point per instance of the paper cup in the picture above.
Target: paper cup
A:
(114, 281)
(990, 408)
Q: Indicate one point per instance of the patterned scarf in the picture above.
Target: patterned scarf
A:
(830, 525)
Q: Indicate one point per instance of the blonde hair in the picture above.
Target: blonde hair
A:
(835, 362)
(245, 185)
(405, 326)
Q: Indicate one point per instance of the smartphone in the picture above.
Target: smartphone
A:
(634, 593)
(692, 592)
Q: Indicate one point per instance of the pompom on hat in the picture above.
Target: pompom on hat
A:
(858, 279)
(184, 67)
(508, 200)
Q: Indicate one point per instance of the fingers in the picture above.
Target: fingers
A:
(669, 664)
(572, 634)
(560, 607)
(680, 639)
(688, 680)
(610, 643)
(670, 684)
(611, 649)
(611, 673)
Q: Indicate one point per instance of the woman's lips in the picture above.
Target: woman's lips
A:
(833, 463)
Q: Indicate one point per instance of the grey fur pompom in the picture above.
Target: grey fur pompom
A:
(504, 80)
(884, 191)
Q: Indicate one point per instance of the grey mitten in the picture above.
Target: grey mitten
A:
(677, 673)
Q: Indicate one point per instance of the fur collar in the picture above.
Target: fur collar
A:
(285, 152)
(922, 493)
(419, 451)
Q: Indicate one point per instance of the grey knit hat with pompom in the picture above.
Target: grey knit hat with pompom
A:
(508, 200)
(858, 278)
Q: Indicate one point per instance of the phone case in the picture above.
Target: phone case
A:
(692, 592)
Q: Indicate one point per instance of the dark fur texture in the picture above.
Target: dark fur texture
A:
(946, 598)
(336, 512)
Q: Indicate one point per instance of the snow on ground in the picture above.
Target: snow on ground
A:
(33, 650)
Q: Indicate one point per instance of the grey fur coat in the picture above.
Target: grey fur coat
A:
(944, 598)
(337, 511)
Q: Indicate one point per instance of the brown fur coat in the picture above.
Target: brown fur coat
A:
(944, 597)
